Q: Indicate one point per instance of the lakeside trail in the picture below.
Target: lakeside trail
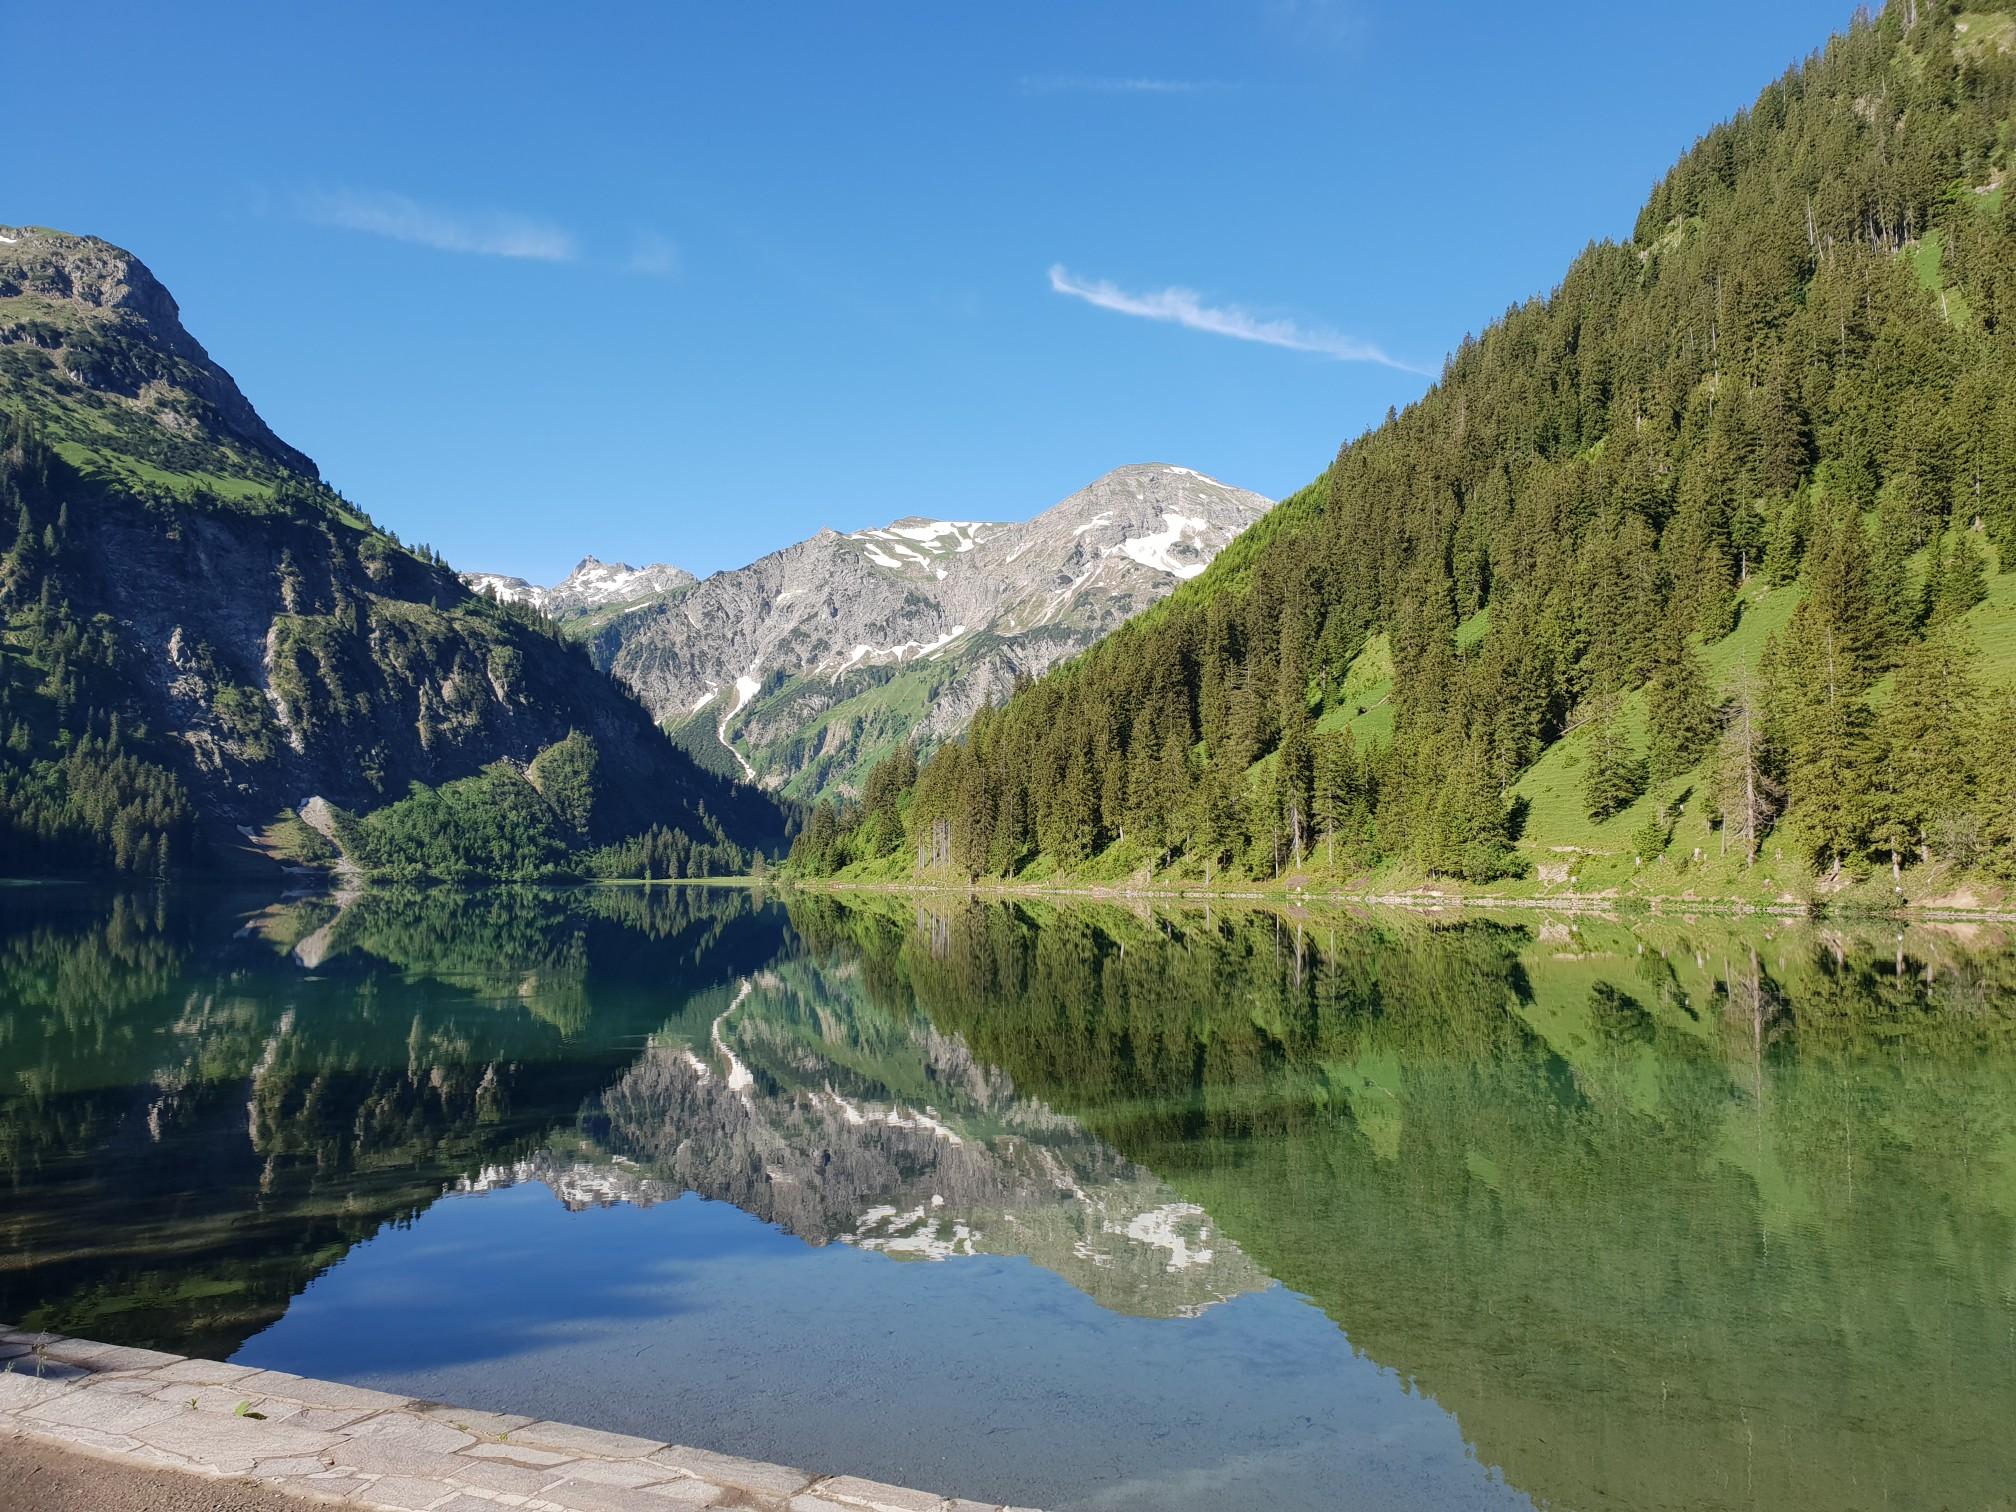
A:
(44, 1478)
(103, 1427)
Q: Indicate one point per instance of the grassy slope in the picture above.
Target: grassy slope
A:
(1558, 828)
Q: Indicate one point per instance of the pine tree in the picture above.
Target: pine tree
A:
(1747, 792)
(880, 830)
(1958, 579)
(1679, 714)
(1217, 825)
(1477, 821)
(1995, 781)
(1785, 531)
(1831, 778)
(1338, 797)
(1895, 612)
(1927, 736)
(1075, 812)
(1920, 468)
(1295, 773)
(1613, 775)
(1841, 600)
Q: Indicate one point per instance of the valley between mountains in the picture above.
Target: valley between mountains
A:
(806, 667)
(214, 660)
(1689, 578)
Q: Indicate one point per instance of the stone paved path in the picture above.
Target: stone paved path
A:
(328, 1442)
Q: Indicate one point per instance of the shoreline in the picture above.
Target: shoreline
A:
(343, 891)
(321, 1441)
(1422, 901)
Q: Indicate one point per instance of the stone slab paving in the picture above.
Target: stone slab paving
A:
(333, 1443)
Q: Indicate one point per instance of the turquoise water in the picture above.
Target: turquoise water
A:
(1079, 1207)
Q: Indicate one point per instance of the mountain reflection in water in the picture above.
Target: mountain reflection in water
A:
(1666, 1215)
(813, 1109)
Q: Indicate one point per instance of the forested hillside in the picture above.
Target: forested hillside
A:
(197, 635)
(1688, 575)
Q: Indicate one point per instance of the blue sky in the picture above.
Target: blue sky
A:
(685, 282)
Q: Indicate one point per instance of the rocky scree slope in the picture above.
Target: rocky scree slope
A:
(179, 585)
(803, 668)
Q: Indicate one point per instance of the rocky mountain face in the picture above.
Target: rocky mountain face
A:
(85, 324)
(593, 588)
(179, 590)
(803, 1109)
(803, 668)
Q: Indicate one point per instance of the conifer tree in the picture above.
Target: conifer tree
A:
(1613, 775)
(1476, 821)
(1927, 737)
(1679, 714)
(1747, 791)
(1826, 730)
(1295, 782)
(1995, 776)
(1841, 600)
(1338, 798)
(1957, 580)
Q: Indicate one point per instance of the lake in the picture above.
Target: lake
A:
(1078, 1206)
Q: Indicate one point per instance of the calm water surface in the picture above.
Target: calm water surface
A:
(1072, 1206)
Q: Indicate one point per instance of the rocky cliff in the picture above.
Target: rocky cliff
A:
(94, 331)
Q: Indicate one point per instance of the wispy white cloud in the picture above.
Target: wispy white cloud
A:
(654, 255)
(1185, 307)
(1329, 23)
(486, 233)
(1096, 84)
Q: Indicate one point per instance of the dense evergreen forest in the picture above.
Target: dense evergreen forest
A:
(1700, 557)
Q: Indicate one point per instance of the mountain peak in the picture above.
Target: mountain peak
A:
(82, 313)
(1145, 492)
(592, 586)
(901, 631)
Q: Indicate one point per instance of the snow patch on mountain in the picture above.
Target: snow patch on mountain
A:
(907, 651)
(747, 686)
(956, 536)
(592, 585)
(1158, 550)
(740, 1077)
(1164, 1228)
